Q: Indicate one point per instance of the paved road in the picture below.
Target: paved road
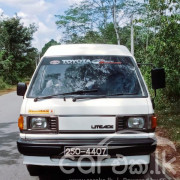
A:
(11, 167)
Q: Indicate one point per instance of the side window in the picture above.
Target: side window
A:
(38, 84)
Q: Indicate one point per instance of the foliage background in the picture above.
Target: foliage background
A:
(156, 38)
(17, 56)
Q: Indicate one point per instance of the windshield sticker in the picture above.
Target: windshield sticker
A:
(55, 62)
(46, 111)
(109, 62)
(77, 61)
(88, 61)
(102, 61)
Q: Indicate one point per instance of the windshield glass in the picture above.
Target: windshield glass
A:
(108, 74)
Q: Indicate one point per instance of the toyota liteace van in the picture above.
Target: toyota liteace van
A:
(87, 105)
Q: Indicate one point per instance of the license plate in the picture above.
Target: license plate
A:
(85, 151)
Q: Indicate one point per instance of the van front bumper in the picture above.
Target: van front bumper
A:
(68, 162)
(55, 148)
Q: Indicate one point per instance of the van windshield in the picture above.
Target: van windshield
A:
(108, 74)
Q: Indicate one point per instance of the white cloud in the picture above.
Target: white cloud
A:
(17, 1)
(49, 18)
(27, 20)
(40, 12)
(29, 6)
(74, 1)
(37, 7)
(2, 15)
(1, 11)
(46, 30)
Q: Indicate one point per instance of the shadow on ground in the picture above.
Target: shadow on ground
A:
(8, 147)
(106, 174)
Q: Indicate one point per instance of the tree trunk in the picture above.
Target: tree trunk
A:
(115, 22)
(132, 36)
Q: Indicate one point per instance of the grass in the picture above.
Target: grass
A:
(7, 90)
(169, 119)
(3, 85)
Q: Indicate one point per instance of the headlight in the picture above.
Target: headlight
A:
(38, 123)
(136, 122)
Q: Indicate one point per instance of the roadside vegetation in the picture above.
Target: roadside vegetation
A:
(169, 119)
(17, 56)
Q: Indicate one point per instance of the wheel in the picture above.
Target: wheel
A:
(140, 169)
(35, 170)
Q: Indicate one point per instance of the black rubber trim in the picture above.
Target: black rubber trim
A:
(126, 147)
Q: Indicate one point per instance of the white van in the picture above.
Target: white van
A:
(87, 105)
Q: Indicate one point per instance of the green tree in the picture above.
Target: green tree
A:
(96, 15)
(163, 34)
(17, 56)
(47, 45)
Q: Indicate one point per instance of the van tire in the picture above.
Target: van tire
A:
(35, 170)
(145, 169)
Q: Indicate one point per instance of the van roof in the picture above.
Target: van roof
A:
(87, 49)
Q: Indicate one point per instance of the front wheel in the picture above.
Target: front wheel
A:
(140, 169)
(35, 170)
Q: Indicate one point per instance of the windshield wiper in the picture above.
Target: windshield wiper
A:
(118, 94)
(103, 96)
(63, 94)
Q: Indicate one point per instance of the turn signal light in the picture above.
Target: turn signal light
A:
(21, 122)
(153, 122)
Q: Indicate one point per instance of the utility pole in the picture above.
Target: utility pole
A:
(132, 36)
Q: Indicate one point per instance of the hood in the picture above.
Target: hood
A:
(104, 106)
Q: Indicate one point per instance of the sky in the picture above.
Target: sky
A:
(40, 12)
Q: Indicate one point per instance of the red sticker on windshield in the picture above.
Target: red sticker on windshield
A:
(109, 62)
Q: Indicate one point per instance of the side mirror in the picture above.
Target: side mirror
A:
(158, 78)
(21, 89)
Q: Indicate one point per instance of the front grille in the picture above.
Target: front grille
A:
(53, 124)
(120, 123)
